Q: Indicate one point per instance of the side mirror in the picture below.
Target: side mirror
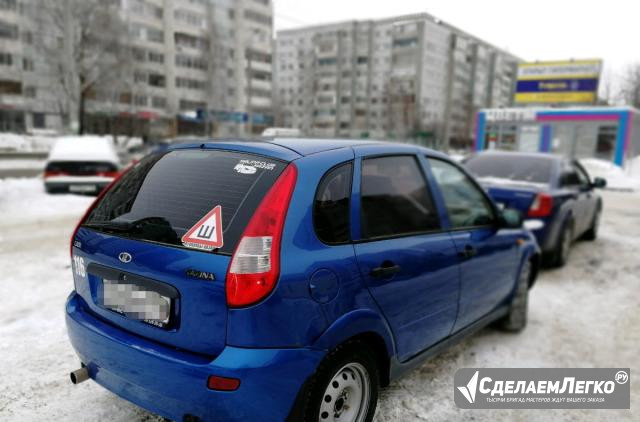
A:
(511, 219)
(599, 183)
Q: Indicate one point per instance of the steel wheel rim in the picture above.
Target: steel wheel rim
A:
(346, 398)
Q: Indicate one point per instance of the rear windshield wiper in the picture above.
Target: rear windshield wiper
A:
(117, 226)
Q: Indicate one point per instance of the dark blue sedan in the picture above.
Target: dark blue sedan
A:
(555, 195)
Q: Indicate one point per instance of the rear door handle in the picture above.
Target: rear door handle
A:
(468, 252)
(387, 269)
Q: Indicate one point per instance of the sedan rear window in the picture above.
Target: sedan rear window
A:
(165, 195)
(80, 168)
(512, 167)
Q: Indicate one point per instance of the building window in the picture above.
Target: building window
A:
(192, 105)
(6, 59)
(257, 17)
(190, 83)
(155, 57)
(157, 80)
(10, 87)
(39, 121)
(8, 30)
(191, 62)
(30, 91)
(27, 65)
(140, 100)
(159, 102)
(155, 35)
(8, 5)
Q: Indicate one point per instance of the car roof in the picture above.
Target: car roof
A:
(300, 146)
(543, 155)
(84, 148)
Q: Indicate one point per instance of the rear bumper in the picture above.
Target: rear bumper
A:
(547, 234)
(173, 383)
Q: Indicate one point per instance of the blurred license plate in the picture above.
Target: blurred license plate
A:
(82, 188)
(136, 302)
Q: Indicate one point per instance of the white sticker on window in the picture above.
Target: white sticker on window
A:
(244, 169)
(259, 164)
(206, 234)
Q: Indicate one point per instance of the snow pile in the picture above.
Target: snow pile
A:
(25, 143)
(43, 142)
(627, 179)
(25, 201)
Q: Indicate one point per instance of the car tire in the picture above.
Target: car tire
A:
(345, 385)
(592, 233)
(516, 319)
(563, 246)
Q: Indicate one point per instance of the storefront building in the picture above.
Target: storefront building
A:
(607, 133)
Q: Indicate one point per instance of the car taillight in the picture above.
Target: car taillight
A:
(48, 173)
(255, 265)
(542, 206)
(107, 174)
(95, 203)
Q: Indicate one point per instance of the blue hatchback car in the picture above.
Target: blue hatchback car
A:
(287, 279)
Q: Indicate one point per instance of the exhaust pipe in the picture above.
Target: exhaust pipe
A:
(79, 375)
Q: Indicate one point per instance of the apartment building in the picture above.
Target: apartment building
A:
(405, 77)
(198, 67)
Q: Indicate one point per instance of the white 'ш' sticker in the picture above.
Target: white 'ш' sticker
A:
(206, 234)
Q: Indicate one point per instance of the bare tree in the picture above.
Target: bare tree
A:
(630, 85)
(83, 45)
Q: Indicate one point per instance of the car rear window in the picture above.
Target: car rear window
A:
(166, 194)
(512, 167)
(81, 167)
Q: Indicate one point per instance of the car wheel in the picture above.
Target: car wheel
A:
(516, 319)
(563, 247)
(592, 233)
(344, 387)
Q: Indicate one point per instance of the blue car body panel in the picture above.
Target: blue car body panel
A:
(324, 297)
(173, 383)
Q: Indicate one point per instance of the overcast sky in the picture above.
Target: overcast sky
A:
(533, 30)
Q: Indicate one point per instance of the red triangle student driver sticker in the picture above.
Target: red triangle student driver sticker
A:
(206, 234)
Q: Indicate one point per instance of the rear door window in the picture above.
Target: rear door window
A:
(165, 195)
(331, 205)
(395, 198)
(466, 205)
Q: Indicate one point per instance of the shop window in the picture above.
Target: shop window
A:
(606, 142)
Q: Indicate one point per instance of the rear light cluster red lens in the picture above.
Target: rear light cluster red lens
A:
(95, 203)
(107, 174)
(541, 206)
(54, 173)
(255, 265)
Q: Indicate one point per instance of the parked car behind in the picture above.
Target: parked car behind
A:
(81, 165)
(287, 279)
(555, 194)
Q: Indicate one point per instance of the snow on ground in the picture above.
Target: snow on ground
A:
(25, 143)
(584, 315)
(22, 164)
(624, 179)
(44, 142)
(24, 201)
